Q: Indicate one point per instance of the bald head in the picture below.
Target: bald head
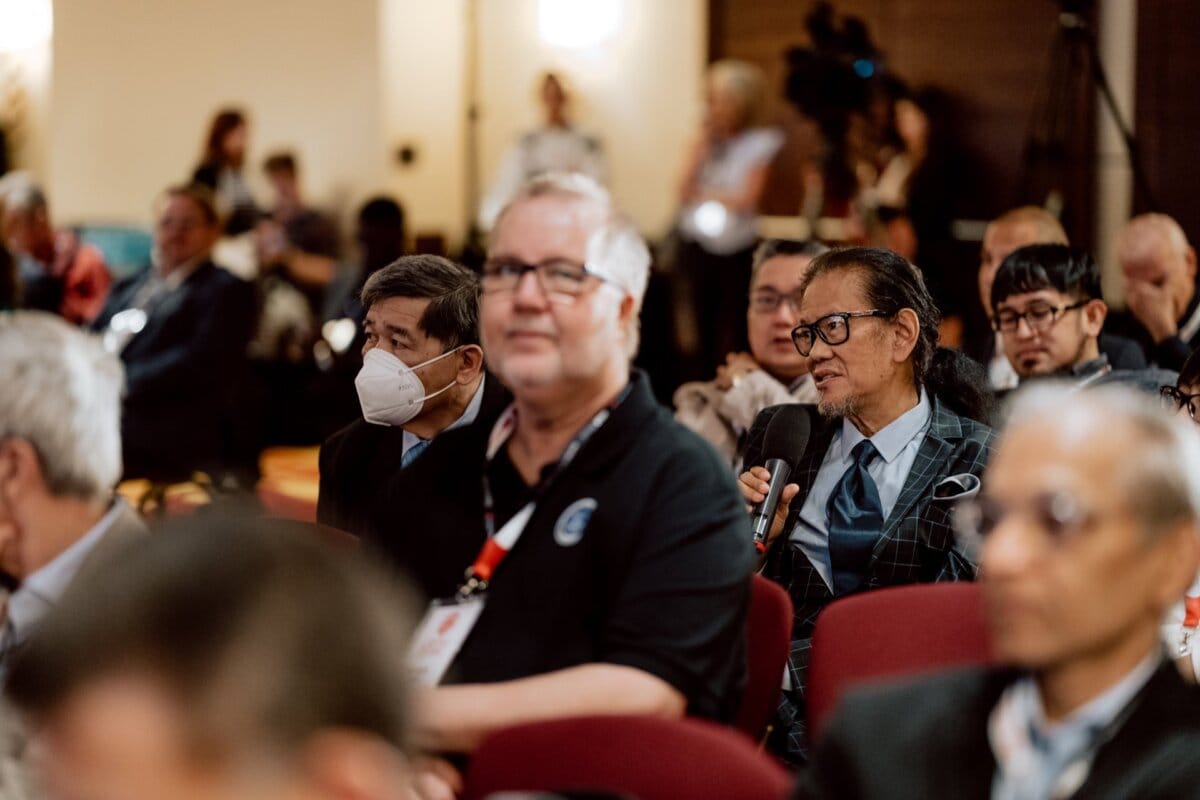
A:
(1017, 228)
(1152, 249)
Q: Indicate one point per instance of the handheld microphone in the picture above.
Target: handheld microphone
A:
(784, 442)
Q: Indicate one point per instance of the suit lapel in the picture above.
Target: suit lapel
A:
(944, 428)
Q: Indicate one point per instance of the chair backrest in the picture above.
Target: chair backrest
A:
(892, 633)
(650, 758)
(768, 636)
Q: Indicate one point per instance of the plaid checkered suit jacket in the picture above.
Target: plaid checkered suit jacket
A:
(915, 546)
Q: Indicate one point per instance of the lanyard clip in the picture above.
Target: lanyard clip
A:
(471, 585)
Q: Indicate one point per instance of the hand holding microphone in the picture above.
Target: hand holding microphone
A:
(784, 443)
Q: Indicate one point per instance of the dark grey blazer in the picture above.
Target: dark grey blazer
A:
(928, 739)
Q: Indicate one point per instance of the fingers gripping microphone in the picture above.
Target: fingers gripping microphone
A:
(784, 442)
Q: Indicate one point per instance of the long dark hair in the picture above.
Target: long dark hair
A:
(225, 122)
(890, 284)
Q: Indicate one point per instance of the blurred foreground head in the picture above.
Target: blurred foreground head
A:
(1090, 518)
(225, 658)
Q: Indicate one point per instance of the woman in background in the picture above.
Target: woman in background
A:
(220, 170)
(723, 182)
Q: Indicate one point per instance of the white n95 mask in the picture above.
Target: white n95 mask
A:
(389, 391)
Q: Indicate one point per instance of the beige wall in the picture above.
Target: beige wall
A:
(348, 82)
(135, 83)
(639, 91)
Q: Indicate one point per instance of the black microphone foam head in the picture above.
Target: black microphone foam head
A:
(786, 437)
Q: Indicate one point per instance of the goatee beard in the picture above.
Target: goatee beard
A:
(842, 408)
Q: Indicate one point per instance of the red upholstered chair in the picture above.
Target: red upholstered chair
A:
(646, 757)
(768, 636)
(892, 633)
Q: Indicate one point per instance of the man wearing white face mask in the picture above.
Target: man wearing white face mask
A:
(422, 374)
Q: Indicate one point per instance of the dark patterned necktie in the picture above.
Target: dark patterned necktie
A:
(855, 521)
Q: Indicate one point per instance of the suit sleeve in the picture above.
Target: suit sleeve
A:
(223, 329)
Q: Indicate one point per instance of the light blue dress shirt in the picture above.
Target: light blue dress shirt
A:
(897, 444)
(468, 416)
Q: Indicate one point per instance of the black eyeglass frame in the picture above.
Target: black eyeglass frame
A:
(1056, 313)
(1178, 400)
(538, 270)
(815, 331)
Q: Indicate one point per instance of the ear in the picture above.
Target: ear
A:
(470, 363)
(1190, 258)
(1178, 554)
(344, 764)
(20, 468)
(907, 330)
(1093, 316)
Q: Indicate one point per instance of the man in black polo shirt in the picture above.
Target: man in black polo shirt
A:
(627, 586)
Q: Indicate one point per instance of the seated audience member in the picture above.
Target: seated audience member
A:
(1089, 522)
(723, 410)
(305, 228)
(627, 588)
(1018, 228)
(60, 459)
(1161, 282)
(1179, 629)
(1049, 311)
(219, 660)
(380, 234)
(422, 374)
(895, 441)
(181, 329)
(59, 273)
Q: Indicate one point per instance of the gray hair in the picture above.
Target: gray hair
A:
(61, 392)
(1161, 477)
(615, 250)
(24, 198)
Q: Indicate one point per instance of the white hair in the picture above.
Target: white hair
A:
(61, 392)
(1161, 475)
(615, 250)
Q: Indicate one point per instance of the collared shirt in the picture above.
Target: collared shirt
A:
(1038, 758)
(41, 591)
(897, 444)
(468, 416)
(1001, 374)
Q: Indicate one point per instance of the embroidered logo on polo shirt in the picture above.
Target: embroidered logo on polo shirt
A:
(573, 521)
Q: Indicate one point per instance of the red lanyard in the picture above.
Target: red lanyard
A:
(1191, 620)
(500, 542)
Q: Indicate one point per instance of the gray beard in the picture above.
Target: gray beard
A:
(844, 408)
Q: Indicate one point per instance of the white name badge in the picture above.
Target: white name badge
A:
(440, 636)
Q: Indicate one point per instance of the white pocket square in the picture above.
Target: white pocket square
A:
(957, 487)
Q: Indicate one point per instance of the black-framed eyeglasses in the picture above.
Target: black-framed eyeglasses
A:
(558, 277)
(1173, 400)
(833, 329)
(1039, 316)
(767, 301)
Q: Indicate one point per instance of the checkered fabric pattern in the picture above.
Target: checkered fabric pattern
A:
(916, 544)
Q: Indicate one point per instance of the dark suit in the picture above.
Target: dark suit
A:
(181, 372)
(928, 739)
(916, 545)
(360, 459)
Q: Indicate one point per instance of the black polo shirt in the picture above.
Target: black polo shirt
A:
(638, 554)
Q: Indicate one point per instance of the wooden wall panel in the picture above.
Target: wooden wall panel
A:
(992, 55)
(1168, 107)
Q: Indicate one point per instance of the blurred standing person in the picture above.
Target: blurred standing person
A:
(722, 410)
(220, 169)
(557, 146)
(723, 182)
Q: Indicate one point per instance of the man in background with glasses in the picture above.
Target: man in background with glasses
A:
(1049, 311)
(722, 410)
(1088, 528)
(614, 562)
